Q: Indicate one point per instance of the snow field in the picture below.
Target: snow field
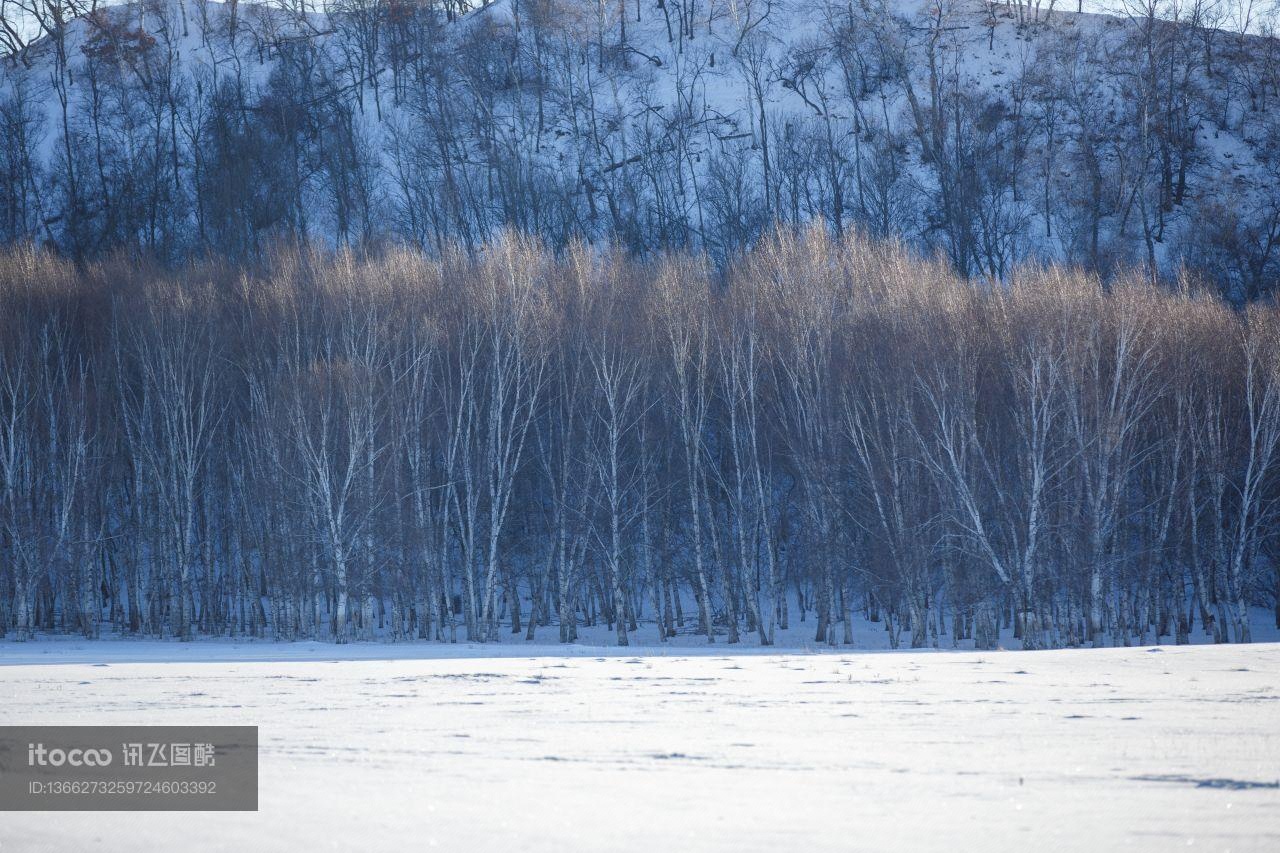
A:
(694, 749)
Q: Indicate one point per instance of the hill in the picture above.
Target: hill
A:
(991, 133)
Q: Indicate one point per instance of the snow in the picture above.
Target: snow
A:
(515, 747)
(593, 640)
(986, 61)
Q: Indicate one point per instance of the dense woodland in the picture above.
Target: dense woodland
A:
(418, 320)
(992, 133)
(518, 440)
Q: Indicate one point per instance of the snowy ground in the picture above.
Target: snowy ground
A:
(518, 748)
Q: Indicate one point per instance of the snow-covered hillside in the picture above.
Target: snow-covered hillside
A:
(989, 132)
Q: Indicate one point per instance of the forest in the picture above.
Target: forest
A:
(992, 133)
(388, 319)
(342, 446)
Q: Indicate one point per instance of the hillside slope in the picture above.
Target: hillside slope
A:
(991, 133)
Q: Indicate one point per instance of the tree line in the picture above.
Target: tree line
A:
(991, 132)
(828, 429)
